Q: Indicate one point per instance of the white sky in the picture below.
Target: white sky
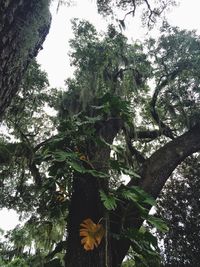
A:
(55, 61)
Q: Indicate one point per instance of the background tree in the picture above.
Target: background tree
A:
(151, 10)
(28, 126)
(110, 122)
(178, 204)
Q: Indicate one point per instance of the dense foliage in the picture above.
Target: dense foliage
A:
(68, 170)
(179, 205)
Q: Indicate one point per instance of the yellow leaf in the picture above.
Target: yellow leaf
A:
(83, 157)
(92, 234)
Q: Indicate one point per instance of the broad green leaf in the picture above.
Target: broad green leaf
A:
(146, 198)
(109, 201)
(136, 194)
(77, 167)
(127, 194)
(122, 167)
(157, 223)
(144, 246)
(130, 172)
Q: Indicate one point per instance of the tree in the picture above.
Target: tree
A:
(110, 122)
(27, 123)
(151, 10)
(24, 26)
(178, 204)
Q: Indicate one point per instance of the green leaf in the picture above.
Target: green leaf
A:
(63, 156)
(146, 198)
(115, 165)
(130, 172)
(118, 149)
(77, 167)
(127, 194)
(109, 201)
(144, 246)
(158, 223)
(136, 194)
(98, 174)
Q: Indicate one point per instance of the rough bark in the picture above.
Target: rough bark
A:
(163, 162)
(23, 28)
(86, 203)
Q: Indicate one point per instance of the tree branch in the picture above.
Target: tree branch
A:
(148, 134)
(156, 171)
(162, 163)
(59, 247)
(36, 174)
(132, 150)
(163, 127)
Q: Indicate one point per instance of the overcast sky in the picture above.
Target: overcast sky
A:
(54, 58)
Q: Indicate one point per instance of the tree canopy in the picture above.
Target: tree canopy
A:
(130, 109)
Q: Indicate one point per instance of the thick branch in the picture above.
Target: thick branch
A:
(148, 134)
(156, 171)
(162, 163)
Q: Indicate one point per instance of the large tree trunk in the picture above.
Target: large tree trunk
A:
(24, 25)
(86, 203)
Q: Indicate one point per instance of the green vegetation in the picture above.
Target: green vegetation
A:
(179, 205)
(60, 170)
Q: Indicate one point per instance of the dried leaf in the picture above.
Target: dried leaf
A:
(92, 234)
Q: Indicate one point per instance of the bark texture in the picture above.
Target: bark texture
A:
(86, 203)
(23, 28)
(163, 162)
